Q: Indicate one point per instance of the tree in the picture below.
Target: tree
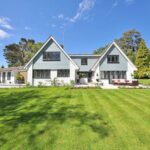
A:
(130, 41)
(2, 66)
(142, 61)
(100, 50)
(19, 54)
(149, 57)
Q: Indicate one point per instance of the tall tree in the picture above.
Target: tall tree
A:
(20, 53)
(149, 57)
(142, 61)
(142, 56)
(130, 41)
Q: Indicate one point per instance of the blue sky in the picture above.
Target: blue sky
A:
(81, 25)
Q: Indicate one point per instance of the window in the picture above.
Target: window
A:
(113, 74)
(51, 56)
(41, 74)
(113, 58)
(83, 61)
(63, 73)
(8, 75)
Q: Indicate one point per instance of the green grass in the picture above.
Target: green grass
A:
(144, 81)
(74, 119)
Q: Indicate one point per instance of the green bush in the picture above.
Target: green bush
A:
(20, 78)
(54, 82)
(143, 73)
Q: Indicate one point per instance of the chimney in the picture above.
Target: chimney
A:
(62, 46)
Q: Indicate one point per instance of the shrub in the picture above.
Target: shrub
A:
(143, 73)
(72, 83)
(20, 78)
(54, 82)
(40, 84)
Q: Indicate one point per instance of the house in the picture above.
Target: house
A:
(52, 62)
(8, 75)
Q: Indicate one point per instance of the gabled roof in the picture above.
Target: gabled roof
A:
(113, 43)
(48, 40)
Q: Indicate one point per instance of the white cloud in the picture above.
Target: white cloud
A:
(129, 1)
(3, 34)
(84, 7)
(5, 23)
(60, 16)
(27, 28)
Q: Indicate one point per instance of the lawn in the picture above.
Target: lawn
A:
(74, 119)
(144, 81)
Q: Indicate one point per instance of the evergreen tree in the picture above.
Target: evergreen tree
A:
(142, 56)
(141, 61)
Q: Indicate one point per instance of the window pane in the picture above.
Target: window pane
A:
(83, 61)
(41, 74)
(51, 56)
(102, 74)
(63, 73)
(8, 75)
(113, 58)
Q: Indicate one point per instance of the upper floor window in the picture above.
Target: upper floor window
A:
(113, 58)
(41, 74)
(51, 56)
(83, 61)
(63, 73)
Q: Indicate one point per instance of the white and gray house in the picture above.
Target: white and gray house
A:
(52, 62)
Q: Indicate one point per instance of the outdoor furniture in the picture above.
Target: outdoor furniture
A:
(133, 82)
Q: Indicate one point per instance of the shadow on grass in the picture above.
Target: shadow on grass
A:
(31, 109)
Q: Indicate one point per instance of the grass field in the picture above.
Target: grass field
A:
(74, 119)
(144, 81)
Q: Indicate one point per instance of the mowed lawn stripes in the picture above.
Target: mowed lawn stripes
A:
(76, 119)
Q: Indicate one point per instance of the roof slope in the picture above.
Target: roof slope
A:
(107, 49)
(48, 40)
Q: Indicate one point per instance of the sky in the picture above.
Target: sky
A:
(80, 25)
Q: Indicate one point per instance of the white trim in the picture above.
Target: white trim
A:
(83, 55)
(114, 43)
(51, 38)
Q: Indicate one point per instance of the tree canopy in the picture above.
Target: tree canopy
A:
(18, 54)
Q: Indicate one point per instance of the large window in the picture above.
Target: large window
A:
(51, 56)
(8, 75)
(83, 61)
(63, 73)
(113, 58)
(113, 74)
(41, 74)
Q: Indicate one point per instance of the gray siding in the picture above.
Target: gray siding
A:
(85, 68)
(38, 62)
(121, 66)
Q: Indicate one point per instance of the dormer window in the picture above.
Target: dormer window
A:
(51, 56)
(113, 59)
(83, 61)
